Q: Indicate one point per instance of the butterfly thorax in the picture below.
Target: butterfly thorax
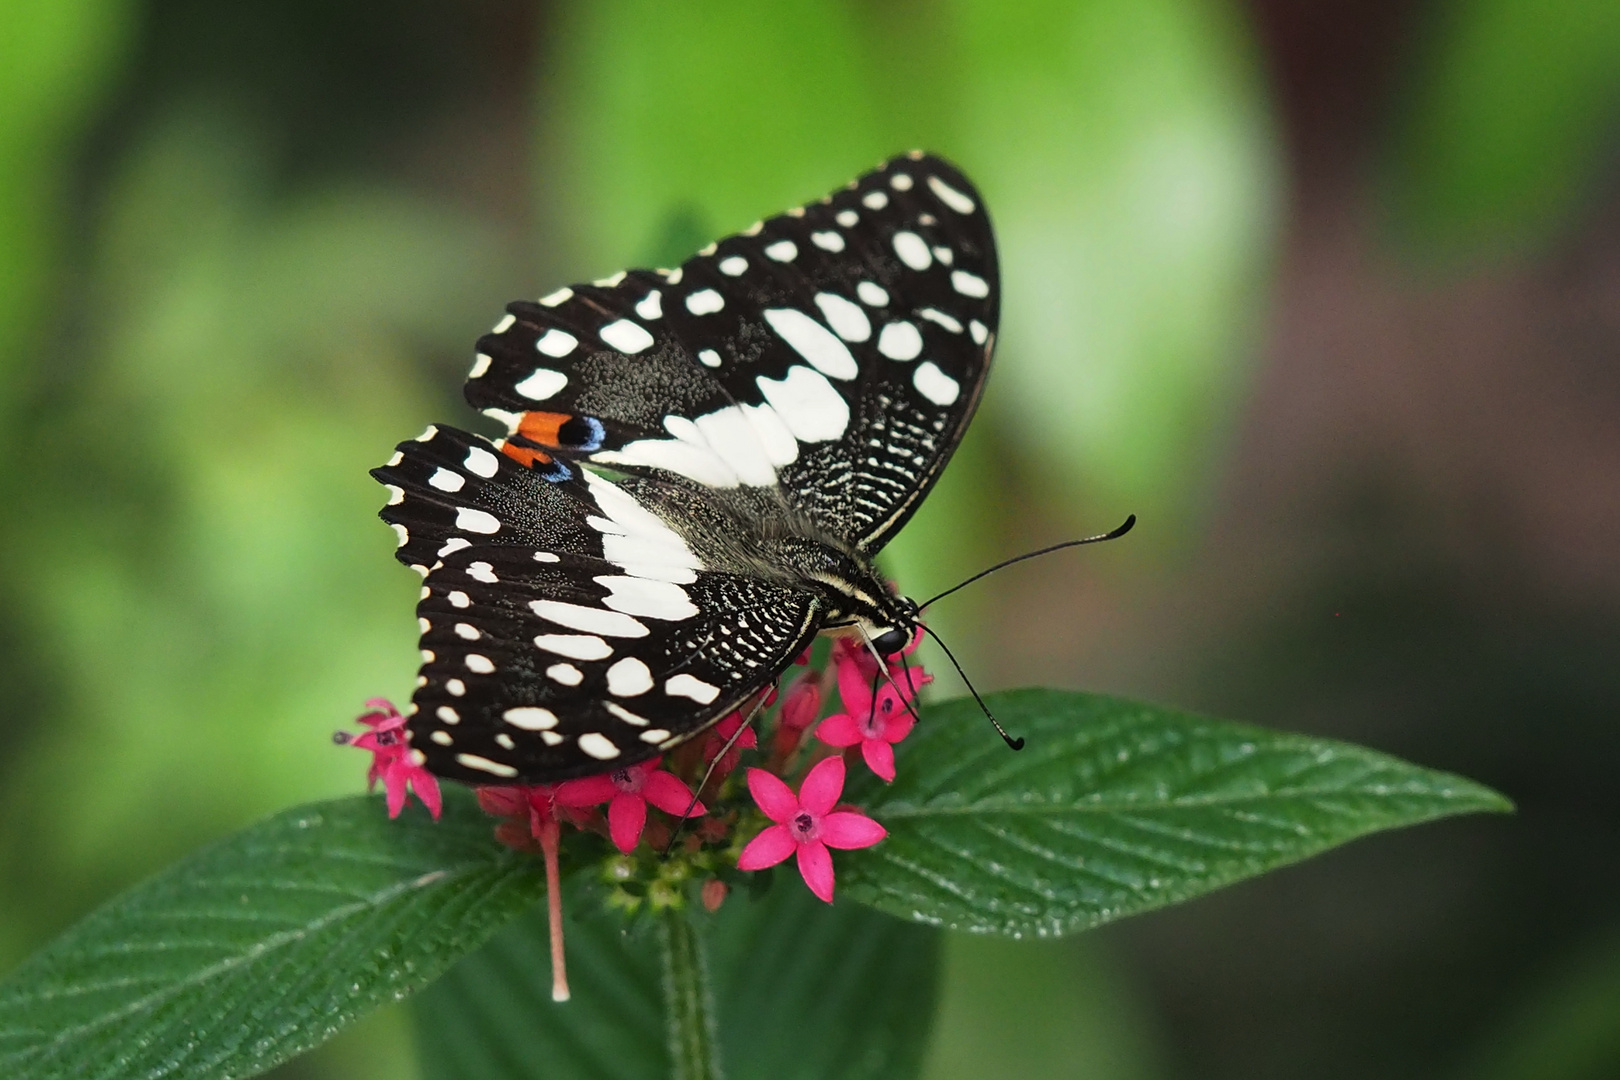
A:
(851, 587)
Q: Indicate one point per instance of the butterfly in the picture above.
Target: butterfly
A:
(699, 467)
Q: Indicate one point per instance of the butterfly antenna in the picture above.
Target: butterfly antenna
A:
(675, 833)
(1016, 744)
(1099, 538)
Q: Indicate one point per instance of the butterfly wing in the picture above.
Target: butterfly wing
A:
(565, 627)
(834, 354)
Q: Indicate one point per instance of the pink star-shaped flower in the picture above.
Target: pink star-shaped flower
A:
(874, 722)
(806, 824)
(392, 760)
(627, 792)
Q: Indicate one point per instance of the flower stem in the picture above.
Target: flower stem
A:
(694, 1047)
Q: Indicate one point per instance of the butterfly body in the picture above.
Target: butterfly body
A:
(699, 468)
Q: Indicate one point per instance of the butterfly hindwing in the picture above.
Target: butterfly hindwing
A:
(542, 670)
(835, 352)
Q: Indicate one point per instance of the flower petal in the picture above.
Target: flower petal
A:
(815, 866)
(665, 791)
(627, 815)
(772, 796)
(586, 791)
(767, 849)
(426, 786)
(394, 784)
(503, 801)
(897, 725)
(821, 788)
(839, 729)
(854, 685)
(846, 829)
(879, 757)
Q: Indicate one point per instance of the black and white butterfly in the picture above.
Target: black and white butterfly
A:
(700, 466)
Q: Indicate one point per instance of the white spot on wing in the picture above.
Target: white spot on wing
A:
(402, 532)
(530, 718)
(575, 646)
(480, 368)
(847, 319)
(447, 714)
(875, 200)
(900, 341)
(728, 433)
(479, 664)
(542, 384)
(950, 196)
(556, 342)
(900, 182)
(453, 545)
(651, 306)
(912, 250)
(467, 631)
(459, 599)
(733, 265)
(934, 384)
(827, 240)
(598, 746)
(871, 293)
(705, 302)
(445, 480)
(589, 619)
(479, 521)
(847, 218)
(807, 403)
(396, 494)
(481, 462)
(782, 251)
(505, 324)
(939, 318)
(650, 599)
(626, 336)
(482, 571)
(625, 714)
(483, 764)
(546, 557)
(690, 686)
(708, 358)
(443, 738)
(969, 284)
(560, 296)
(813, 341)
(454, 687)
(629, 677)
(654, 735)
(567, 674)
(978, 330)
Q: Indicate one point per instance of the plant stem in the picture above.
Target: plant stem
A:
(694, 1048)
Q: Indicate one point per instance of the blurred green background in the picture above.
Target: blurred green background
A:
(1328, 293)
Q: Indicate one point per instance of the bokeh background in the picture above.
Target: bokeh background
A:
(1328, 293)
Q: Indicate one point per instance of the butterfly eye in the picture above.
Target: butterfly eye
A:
(890, 642)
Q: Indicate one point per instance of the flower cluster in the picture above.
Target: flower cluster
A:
(685, 814)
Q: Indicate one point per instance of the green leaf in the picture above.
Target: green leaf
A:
(262, 946)
(802, 990)
(1113, 808)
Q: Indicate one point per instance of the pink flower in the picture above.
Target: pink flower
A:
(392, 760)
(874, 722)
(627, 792)
(806, 824)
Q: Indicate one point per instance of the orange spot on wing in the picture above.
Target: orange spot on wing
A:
(525, 456)
(542, 427)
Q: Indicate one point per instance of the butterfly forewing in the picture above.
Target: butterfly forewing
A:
(835, 352)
